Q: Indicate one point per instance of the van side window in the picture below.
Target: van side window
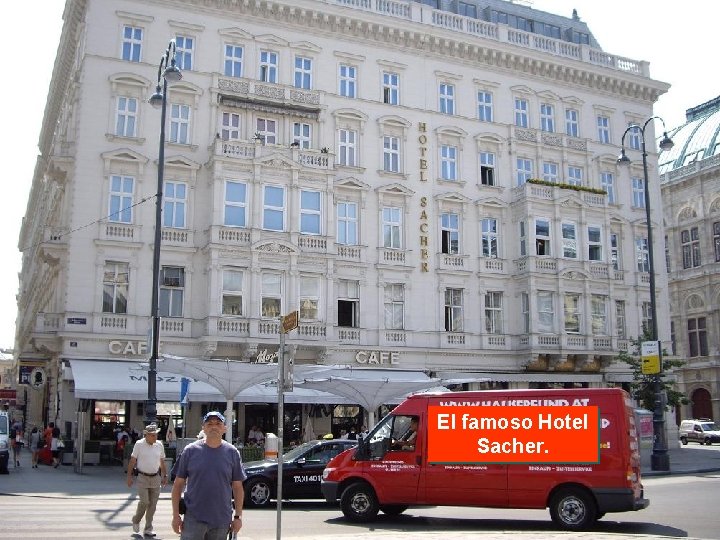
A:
(393, 433)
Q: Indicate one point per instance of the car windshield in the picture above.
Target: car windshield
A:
(3, 425)
(298, 451)
(709, 426)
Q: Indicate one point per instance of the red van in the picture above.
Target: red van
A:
(385, 473)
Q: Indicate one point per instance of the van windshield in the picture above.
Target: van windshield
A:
(710, 426)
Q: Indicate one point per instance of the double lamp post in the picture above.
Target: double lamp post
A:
(168, 73)
(660, 460)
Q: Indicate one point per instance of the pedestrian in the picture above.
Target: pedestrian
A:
(34, 440)
(47, 434)
(55, 446)
(211, 473)
(149, 456)
(16, 441)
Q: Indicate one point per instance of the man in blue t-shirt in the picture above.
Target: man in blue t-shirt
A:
(211, 473)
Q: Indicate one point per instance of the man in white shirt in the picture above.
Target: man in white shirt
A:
(148, 456)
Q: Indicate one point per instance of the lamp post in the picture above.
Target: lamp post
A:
(168, 73)
(660, 460)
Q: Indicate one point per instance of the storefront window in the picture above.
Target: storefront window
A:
(346, 418)
(107, 416)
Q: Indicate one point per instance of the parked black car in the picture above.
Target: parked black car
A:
(302, 471)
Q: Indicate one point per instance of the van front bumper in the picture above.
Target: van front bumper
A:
(618, 500)
(329, 490)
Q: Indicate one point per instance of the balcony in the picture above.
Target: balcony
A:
(229, 236)
(348, 335)
(393, 257)
(313, 244)
(350, 253)
(122, 232)
(538, 192)
(177, 327)
(490, 265)
(450, 262)
(251, 150)
(393, 337)
(544, 265)
(313, 331)
(177, 237)
(232, 327)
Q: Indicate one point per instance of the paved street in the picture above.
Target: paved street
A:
(57, 503)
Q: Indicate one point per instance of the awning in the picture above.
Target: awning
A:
(125, 380)
(449, 377)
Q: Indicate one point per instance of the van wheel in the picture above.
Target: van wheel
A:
(393, 509)
(708, 442)
(573, 509)
(683, 440)
(359, 503)
(257, 492)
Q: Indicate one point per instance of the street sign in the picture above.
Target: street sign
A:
(650, 356)
(290, 322)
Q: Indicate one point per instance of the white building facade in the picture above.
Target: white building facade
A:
(432, 191)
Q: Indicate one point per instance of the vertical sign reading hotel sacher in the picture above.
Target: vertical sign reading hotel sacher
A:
(422, 141)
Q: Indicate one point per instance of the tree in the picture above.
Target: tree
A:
(643, 385)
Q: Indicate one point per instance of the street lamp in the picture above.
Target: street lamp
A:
(168, 73)
(660, 460)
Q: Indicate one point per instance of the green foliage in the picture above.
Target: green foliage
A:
(539, 182)
(643, 385)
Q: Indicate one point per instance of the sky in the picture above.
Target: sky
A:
(681, 51)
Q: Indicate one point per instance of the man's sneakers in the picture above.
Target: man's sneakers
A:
(148, 533)
(136, 527)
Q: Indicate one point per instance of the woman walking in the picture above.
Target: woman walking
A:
(55, 447)
(35, 446)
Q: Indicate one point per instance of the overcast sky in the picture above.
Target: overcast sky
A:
(681, 51)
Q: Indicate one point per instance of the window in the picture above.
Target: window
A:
(267, 130)
(641, 254)
(487, 169)
(390, 88)
(302, 134)
(690, 240)
(667, 255)
(673, 340)
(348, 308)
(575, 176)
(126, 117)
(232, 292)
(233, 61)
(493, 313)
(230, 129)
(310, 212)
(489, 237)
(571, 306)
(179, 123)
(270, 295)
(268, 66)
(615, 258)
(524, 170)
(550, 172)
(347, 149)
(121, 199)
(453, 310)
(448, 162)
(608, 184)
(599, 315)
(569, 240)
(303, 72)
(184, 52)
(309, 298)
(116, 277)
(392, 227)
(521, 113)
(132, 43)
(572, 123)
(172, 290)
(450, 233)
(523, 241)
(542, 237)
(638, 191)
(716, 240)
(525, 310)
(348, 81)
(394, 298)
(174, 205)
(347, 223)
(620, 326)
(634, 137)
(466, 9)
(447, 98)
(546, 312)
(485, 106)
(646, 314)
(391, 154)
(235, 204)
(595, 250)
(603, 126)
(547, 117)
(274, 208)
(697, 337)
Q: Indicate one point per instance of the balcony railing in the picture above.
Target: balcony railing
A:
(307, 157)
(350, 253)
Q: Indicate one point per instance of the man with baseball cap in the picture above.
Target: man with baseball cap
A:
(211, 472)
(148, 456)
